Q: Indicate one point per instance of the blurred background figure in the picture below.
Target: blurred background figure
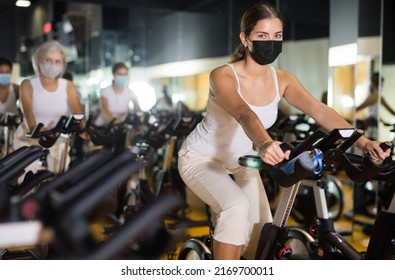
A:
(45, 98)
(9, 113)
(165, 103)
(9, 92)
(115, 101)
(372, 104)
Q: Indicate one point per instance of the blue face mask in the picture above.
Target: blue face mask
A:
(120, 80)
(5, 79)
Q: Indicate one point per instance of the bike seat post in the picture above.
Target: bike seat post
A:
(6, 132)
(128, 136)
(391, 207)
(320, 202)
(10, 121)
(65, 143)
(285, 204)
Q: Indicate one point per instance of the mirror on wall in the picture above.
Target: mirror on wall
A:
(355, 56)
(387, 114)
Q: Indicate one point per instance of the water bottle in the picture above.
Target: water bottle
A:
(310, 160)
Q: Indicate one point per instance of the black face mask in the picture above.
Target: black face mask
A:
(265, 52)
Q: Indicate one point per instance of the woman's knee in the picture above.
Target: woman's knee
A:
(232, 225)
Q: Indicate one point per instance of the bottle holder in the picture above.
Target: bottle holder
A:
(280, 176)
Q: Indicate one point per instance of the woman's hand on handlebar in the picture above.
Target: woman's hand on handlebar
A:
(271, 152)
(83, 132)
(375, 152)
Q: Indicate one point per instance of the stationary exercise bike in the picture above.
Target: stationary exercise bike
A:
(295, 129)
(274, 236)
(8, 123)
(323, 242)
(277, 241)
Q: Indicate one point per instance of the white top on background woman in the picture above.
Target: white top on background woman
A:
(45, 98)
(242, 105)
(115, 99)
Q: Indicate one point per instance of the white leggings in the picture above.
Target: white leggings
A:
(240, 204)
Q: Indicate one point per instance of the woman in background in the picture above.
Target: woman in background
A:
(45, 98)
(114, 104)
(9, 92)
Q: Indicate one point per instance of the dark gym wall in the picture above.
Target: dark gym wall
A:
(343, 23)
(8, 30)
(369, 18)
(186, 35)
(389, 32)
(208, 29)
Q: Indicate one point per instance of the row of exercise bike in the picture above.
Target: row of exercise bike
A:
(49, 216)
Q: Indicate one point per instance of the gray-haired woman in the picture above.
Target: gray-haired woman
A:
(45, 98)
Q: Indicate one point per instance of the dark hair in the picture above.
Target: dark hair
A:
(117, 66)
(249, 20)
(6, 61)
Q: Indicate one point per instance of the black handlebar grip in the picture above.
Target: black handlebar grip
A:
(386, 145)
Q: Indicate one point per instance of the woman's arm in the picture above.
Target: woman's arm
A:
(73, 99)
(224, 87)
(16, 91)
(387, 106)
(26, 96)
(369, 101)
(75, 106)
(325, 116)
(136, 105)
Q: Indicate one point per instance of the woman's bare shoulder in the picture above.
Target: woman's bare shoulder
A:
(26, 84)
(221, 71)
(281, 73)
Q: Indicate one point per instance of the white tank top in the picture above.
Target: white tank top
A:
(9, 104)
(48, 106)
(118, 103)
(220, 136)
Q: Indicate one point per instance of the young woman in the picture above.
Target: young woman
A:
(242, 104)
(115, 99)
(114, 104)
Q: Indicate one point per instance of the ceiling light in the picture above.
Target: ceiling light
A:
(22, 3)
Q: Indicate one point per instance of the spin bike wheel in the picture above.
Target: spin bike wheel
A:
(194, 249)
(304, 211)
(301, 243)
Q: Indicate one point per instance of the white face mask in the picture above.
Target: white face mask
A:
(121, 80)
(49, 70)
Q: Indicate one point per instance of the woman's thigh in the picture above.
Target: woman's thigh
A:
(210, 181)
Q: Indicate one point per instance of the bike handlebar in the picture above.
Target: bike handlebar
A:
(65, 125)
(333, 147)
